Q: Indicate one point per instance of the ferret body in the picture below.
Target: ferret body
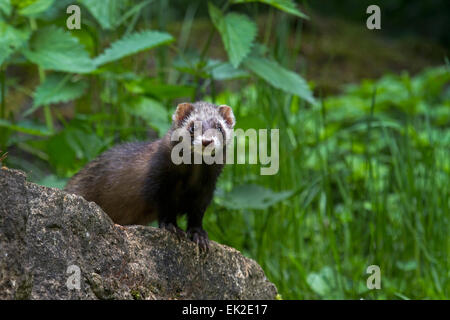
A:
(136, 183)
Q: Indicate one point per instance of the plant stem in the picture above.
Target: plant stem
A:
(47, 110)
(205, 51)
(3, 88)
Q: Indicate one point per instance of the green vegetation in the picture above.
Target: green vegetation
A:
(370, 174)
(364, 174)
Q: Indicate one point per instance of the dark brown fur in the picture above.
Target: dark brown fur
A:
(136, 183)
(115, 181)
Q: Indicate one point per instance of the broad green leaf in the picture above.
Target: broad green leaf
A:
(63, 162)
(215, 14)
(73, 146)
(106, 12)
(237, 32)
(251, 196)
(55, 49)
(77, 138)
(5, 7)
(57, 88)
(225, 71)
(27, 127)
(288, 6)
(11, 39)
(36, 7)
(133, 43)
(152, 111)
(280, 77)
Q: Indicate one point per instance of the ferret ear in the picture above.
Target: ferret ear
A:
(183, 111)
(228, 115)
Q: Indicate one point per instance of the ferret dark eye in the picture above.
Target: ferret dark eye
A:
(220, 129)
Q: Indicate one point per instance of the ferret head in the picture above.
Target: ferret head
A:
(209, 126)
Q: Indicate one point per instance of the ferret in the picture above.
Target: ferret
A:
(137, 183)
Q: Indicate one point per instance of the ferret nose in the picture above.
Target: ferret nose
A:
(206, 142)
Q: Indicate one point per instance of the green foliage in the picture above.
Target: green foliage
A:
(324, 283)
(52, 48)
(57, 88)
(53, 181)
(76, 151)
(279, 77)
(131, 44)
(288, 6)
(106, 12)
(152, 87)
(11, 39)
(5, 7)
(36, 7)
(152, 111)
(55, 49)
(225, 71)
(26, 126)
(250, 196)
(237, 32)
(370, 170)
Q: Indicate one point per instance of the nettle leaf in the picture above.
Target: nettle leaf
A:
(152, 111)
(73, 141)
(36, 7)
(5, 7)
(76, 140)
(251, 196)
(55, 49)
(237, 31)
(280, 77)
(132, 44)
(288, 6)
(11, 39)
(106, 12)
(57, 88)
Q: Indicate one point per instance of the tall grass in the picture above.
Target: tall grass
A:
(370, 172)
(371, 184)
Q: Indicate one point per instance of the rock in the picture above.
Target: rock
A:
(49, 239)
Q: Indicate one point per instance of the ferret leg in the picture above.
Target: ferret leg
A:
(167, 219)
(195, 230)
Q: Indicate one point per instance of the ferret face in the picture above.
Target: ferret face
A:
(209, 126)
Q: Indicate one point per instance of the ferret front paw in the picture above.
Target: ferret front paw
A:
(200, 237)
(173, 228)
